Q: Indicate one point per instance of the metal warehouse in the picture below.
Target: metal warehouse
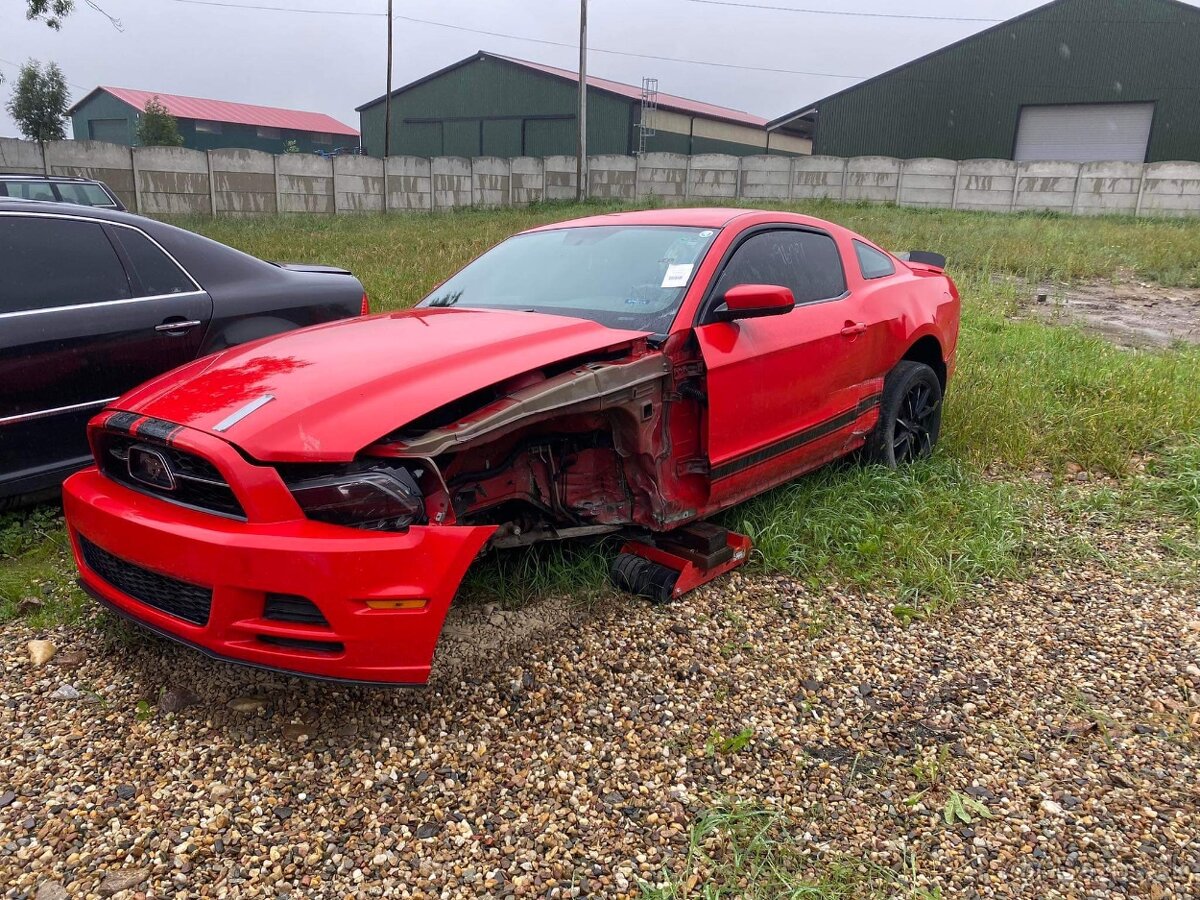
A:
(492, 105)
(111, 114)
(1077, 80)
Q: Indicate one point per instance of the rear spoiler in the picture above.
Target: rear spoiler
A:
(312, 268)
(925, 258)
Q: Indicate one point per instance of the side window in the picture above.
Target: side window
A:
(45, 263)
(31, 190)
(83, 193)
(805, 261)
(872, 263)
(157, 272)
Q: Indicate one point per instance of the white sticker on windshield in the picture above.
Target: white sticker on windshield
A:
(677, 276)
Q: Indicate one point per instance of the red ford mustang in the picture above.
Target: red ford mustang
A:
(310, 502)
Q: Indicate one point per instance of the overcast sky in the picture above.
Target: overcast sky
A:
(333, 63)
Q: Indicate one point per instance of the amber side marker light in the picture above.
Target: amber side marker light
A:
(397, 604)
(366, 305)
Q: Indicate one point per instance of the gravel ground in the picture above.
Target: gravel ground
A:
(572, 759)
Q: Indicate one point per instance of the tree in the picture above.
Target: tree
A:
(39, 102)
(52, 12)
(156, 127)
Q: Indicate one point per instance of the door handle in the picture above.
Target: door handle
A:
(854, 329)
(182, 325)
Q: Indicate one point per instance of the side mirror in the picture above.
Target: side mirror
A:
(754, 301)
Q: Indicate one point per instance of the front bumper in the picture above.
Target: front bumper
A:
(242, 562)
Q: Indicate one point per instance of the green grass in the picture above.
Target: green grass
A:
(751, 853)
(1026, 396)
(919, 534)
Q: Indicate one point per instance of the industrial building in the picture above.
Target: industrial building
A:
(492, 105)
(1075, 80)
(111, 114)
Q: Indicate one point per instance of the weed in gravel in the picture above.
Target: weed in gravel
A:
(963, 808)
(751, 853)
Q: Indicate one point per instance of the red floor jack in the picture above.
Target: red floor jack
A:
(666, 566)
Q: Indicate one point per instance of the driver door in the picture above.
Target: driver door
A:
(785, 391)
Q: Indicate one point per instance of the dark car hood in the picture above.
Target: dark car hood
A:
(335, 388)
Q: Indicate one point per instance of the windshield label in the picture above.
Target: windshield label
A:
(677, 276)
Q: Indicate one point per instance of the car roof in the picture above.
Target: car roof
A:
(34, 176)
(49, 207)
(689, 217)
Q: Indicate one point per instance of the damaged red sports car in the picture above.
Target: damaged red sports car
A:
(310, 502)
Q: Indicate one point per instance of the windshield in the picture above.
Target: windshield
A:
(619, 276)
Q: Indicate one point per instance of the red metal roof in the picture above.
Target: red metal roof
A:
(239, 113)
(666, 101)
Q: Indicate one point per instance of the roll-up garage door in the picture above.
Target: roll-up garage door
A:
(1096, 132)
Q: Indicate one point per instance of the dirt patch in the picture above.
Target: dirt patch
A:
(1128, 312)
(482, 635)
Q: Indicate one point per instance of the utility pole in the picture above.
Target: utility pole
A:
(581, 188)
(387, 103)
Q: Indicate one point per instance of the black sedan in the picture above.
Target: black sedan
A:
(94, 302)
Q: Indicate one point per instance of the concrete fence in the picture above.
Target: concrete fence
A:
(161, 180)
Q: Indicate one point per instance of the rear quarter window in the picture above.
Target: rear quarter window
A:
(85, 194)
(156, 271)
(872, 263)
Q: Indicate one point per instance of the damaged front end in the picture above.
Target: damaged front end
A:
(346, 570)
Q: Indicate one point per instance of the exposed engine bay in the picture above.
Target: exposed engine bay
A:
(588, 447)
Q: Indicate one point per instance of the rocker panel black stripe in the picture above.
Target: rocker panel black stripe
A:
(807, 436)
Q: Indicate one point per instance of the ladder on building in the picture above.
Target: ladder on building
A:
(649, 105)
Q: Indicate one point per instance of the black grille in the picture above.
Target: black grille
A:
(177, 598)
(289, 608)
(298, 644)
(197, 481)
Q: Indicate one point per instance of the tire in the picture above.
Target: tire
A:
(643, 578)
(910, 417)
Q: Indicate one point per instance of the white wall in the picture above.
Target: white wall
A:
(161, 180)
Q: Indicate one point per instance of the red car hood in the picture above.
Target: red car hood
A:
(337, 387)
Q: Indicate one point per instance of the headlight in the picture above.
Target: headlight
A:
(386, 500)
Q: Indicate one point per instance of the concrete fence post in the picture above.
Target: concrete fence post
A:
(1078, 187)
(845, 178)
(384, 201)
(637, 177)
(791, 195)
(333, 182)
(278, 188)
(137, 181)
(212, 185)
(687, 178)
(900, 182)
(45, 162)
(957, 174)
(737, 185)
(1141, 194)
(1012, 203)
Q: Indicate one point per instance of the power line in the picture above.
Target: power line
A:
(840, 12)
(518, 37)
(17, 66)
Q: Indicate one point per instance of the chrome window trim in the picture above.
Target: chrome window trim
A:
(75, 306)
(46, 413)
(96, 221)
